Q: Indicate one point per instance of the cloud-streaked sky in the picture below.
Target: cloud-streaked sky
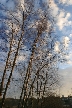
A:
(66, 80)
(64, 24)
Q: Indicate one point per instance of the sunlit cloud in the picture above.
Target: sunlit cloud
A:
(62, 17)
(54, 7)
(57, 47)
(22, 4)
(63, 20)
(69, 62)
(66, 41)
(66, 81)
(68, 2)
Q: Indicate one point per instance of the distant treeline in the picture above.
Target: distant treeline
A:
(45, 102)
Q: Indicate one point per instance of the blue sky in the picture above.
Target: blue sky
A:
(62, 11)
(65, 30)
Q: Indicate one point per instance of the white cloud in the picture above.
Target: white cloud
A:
(68, 2)
(69, 59)
(66, 41)
(53, 7)
(57, 46)
(69, 62)
(69, 23)
(70, 35)
(22, 4)
(63, 20)
(66, 80)
(62, 17)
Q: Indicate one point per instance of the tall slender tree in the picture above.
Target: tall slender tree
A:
(32, 38)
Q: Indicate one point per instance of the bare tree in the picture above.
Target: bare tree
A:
(40, 58)
(35, 31)
(13, 58)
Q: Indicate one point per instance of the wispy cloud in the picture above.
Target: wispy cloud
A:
(67, 2)
(66, 80)
(56, 48)
(63, 19)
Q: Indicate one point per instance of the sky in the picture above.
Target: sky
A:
(64, 24)
(62, 11)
